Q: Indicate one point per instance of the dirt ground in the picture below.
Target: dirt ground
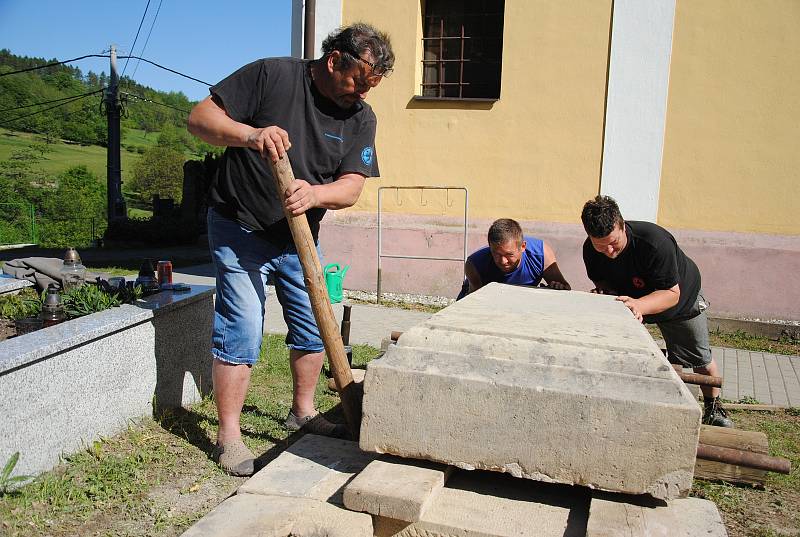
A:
(7, 329)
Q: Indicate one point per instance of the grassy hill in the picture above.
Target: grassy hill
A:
(64, 155)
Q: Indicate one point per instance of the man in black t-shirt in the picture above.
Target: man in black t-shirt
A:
(317, 109)
(642, 264)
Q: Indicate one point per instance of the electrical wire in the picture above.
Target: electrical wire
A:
(145, 99)
(133, 47)
(106, 56)
(78, 98)
(166, 69)
(49, 102)
(146, 41)
(54, 64)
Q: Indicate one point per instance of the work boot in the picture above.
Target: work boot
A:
(235, 458)
(715, 415)
(316, 424)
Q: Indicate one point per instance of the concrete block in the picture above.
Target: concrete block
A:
(314, 467)
(67, 385)
(485, 504)
(621, 516)
(395, 488)
(554, 386)
(253, 515)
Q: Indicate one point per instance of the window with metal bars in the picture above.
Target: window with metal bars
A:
(462, 47)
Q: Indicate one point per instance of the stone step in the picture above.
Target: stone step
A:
(613, 515)
(486, 504)
(314, 467)
(396, 488)
(254, 515)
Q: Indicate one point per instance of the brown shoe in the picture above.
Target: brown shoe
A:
(235, 458)
(316, 424)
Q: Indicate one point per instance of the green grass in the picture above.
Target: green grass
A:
(109, 486)
(771, 511)
(64, 155)
(744, 341)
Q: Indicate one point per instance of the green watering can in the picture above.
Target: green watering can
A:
(334, 275)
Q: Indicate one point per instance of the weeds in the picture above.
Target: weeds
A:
(7, 482)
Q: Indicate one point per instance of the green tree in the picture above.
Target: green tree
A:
(159, 171)
(69, 212)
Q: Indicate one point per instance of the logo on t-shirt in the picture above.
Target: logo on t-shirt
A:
(638, 282)
(366, 155)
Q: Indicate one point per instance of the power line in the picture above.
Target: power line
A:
(54, 64)
(166, 69)
(46, 109)
(146, 41)
(49, 102)
(145, 99)
(133, 47)
(106, 56)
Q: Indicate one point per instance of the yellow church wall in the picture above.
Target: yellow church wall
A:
(535, 154)
(732, 140)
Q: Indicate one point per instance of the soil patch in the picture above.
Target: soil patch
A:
(7, 329)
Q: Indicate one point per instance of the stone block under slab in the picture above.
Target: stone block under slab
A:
(612, 515)
(395, 488)
(314, 467)
(555, 386)
(254, 515)
(486, 504)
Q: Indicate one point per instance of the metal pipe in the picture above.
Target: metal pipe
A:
(700, 380)
(739, 457)
(309, 30)
(696, 378)
(429, 258)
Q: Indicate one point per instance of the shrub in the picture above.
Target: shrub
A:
(153, 231)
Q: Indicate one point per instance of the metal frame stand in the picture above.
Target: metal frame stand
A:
(422, 190)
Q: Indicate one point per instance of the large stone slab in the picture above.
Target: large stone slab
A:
(395, 488)
(314, 467)
(621, 516)
(254, 515)
(549, 385)
(484, 504)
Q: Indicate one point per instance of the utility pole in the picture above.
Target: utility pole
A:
(116, 203)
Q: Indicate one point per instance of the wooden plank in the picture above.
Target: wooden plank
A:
(733, 438)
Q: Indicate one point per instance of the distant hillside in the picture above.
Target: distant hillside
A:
(82, 120)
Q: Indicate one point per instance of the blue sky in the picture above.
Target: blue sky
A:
(203, 39)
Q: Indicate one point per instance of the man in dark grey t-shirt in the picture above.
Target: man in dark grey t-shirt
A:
(317, 109)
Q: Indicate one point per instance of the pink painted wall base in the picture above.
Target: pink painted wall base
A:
(744, 275)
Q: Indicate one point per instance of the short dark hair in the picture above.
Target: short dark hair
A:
(503, 230)
(357, 38)
(600, 216)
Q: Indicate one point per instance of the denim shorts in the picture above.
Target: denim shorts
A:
(243, 261)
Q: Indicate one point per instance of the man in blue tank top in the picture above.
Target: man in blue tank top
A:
(512, 258)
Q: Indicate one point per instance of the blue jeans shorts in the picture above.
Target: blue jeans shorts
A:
(243, 262)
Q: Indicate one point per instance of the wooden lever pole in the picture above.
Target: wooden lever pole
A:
(320, 304)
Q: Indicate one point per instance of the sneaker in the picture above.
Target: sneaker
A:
(715, 415)
(235, 458)
(316, 424)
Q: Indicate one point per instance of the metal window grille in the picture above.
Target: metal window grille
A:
(462, 48)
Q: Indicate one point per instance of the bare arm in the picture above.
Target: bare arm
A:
(473, 277)
(343, 192)
(552, 274)
(210, 122)
(656, 302)
(603, 288)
